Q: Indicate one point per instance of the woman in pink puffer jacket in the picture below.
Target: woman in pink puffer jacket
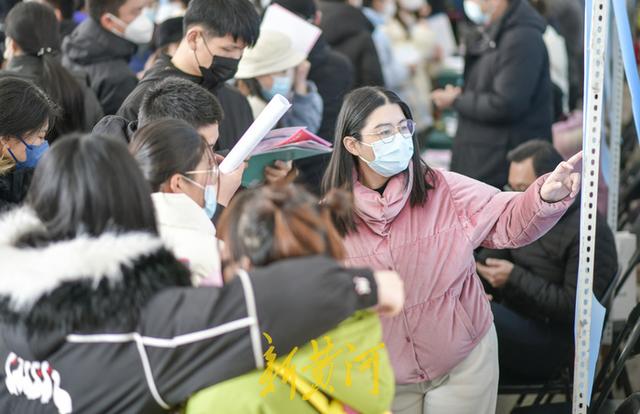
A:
(425, 224)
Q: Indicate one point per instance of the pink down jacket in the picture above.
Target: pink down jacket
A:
(446, 312)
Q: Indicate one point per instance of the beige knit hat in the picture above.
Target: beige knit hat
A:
(273, 52)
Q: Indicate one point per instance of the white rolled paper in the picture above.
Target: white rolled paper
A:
(264, 123)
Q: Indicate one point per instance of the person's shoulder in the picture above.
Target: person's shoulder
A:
(229, 92)
(230, 97)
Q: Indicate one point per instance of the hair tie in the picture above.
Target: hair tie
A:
(43, 51)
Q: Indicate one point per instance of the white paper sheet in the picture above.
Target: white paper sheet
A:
(440, 24)
(267, 119)
(303, 34)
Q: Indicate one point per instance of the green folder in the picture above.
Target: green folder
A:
(254, 174)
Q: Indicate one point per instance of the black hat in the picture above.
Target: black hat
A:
(169, 31)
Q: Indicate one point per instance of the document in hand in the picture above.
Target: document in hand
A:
(303, 34)
(284, 144)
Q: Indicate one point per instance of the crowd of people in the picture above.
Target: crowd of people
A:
(137, 276)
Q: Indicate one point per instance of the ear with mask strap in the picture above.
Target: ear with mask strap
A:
(221, 69)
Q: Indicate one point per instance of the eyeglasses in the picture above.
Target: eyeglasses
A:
(212, 174)
(386, 132)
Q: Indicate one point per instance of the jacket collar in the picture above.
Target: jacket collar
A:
(24, 64)
(90, 43)
(519, 14)
(378, 212)
(178, 210)
(87, 284)
(29, 273)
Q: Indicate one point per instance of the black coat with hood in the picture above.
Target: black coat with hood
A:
(105, 58)
(348, 31)
(238, 115)
(332, 72)
(507, 95)
(110, 324)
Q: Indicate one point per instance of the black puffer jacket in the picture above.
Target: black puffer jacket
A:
(507, 96)
(543, 282)
(13, 187)
(109, 324)
(117, 127)
(105, 58)
(349, 32)
(237, 112)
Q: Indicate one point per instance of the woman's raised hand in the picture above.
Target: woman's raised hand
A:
(563, 181)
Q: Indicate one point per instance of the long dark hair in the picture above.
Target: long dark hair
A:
(167, 147)
(87, 184)
(34, 27)
(357, 107)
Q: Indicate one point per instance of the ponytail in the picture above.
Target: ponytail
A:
(35, 28)
(64, 90)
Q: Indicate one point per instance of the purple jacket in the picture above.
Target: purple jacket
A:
(446, 312)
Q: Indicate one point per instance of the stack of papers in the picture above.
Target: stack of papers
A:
(284, 144)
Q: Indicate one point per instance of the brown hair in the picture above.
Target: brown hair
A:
(271, 223)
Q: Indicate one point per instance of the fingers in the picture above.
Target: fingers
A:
(273, 175)
(494, 262)
(484, 271)
(577, 158)
(284, 165)
(575, 184)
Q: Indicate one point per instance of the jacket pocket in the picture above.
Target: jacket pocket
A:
(461, 313)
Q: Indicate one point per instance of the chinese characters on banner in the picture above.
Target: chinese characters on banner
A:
(319, 368)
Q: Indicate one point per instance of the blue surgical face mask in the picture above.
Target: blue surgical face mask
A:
(392, 155)
(34, 153)
(475, 13)
(281, 85)
(210, 197)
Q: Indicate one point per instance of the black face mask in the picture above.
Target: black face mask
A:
(221, 70)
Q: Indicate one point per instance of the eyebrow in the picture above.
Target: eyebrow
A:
(389, 124)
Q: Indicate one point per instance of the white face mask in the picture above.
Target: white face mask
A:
(139, 31)
(475, 13)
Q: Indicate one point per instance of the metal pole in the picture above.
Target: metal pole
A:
(615, 138)
(594, 105)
